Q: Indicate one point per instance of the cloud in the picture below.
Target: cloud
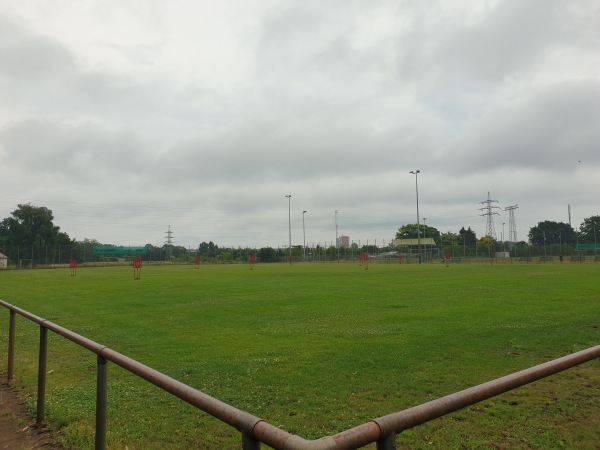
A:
(510, 38)
(205, 117)
(80, 152)
(30, 58)
(552, 129)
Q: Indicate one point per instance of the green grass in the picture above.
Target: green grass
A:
(316, 349)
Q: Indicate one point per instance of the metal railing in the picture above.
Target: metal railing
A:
(254, 431)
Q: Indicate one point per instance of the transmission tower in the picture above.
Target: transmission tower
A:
(169, 242)
(512, 225)
(489, 213)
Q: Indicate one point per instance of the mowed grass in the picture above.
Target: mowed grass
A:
(316, 349)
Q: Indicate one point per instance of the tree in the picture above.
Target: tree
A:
(208, 249)
(486, 241)
(467, 237)
(371, 249)
(83, 251)
(153, 253)
(267, 254)
(411, 231)
(450, 239)
(32, 225)
(548, 232)
(178, 252)
(589, 230)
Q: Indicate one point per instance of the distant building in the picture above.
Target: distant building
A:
(343, 242)
(3, 261)
(411, 246)
(413, 242)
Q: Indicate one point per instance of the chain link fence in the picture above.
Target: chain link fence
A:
(48, 256)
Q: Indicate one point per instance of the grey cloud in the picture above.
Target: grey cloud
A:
(301, 149)
(553, 129)
(306, 56)
(511, 38)
(25, 56)
(458, 68)
(82, 151)
(335, 122)
(40, 75)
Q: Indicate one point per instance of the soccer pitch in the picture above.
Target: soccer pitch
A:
(315, 349)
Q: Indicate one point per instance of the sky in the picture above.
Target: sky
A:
(131, 118)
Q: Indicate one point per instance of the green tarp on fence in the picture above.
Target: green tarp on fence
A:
(118, 251)
(587, 247)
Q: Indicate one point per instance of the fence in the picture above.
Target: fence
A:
(45, 256)
(254, 431)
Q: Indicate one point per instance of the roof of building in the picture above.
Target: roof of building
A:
(424, 241)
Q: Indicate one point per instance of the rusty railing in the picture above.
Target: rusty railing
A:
(255, 431)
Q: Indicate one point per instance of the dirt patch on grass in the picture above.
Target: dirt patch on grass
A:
(18, 429)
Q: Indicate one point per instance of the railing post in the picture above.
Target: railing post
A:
(43, 357)
(11, 345)
(101, 402)
(249, 442)
(387, 443)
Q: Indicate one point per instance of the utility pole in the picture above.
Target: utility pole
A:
(337, 247)
(303, 237)
(289, 197)
(416, 174)
(424, 237)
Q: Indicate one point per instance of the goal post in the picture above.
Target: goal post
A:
(26, 263)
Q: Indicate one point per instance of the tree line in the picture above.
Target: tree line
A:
(546, 232)
(30, 234)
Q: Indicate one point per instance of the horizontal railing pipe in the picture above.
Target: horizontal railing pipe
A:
(64, 332)
(358, 436)
(381, 430)
(241, 420)
(434, 409)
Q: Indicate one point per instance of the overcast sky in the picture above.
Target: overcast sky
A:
(127, 117)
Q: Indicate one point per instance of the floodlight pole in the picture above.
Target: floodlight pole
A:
(416, 174)
(560, 243)
(289, 197)
(545, 254)
(304, 236)
(424, 237)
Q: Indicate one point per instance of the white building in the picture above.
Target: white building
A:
(3, 261)
(343, 242)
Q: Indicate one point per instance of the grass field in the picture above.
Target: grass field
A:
(316, 349)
